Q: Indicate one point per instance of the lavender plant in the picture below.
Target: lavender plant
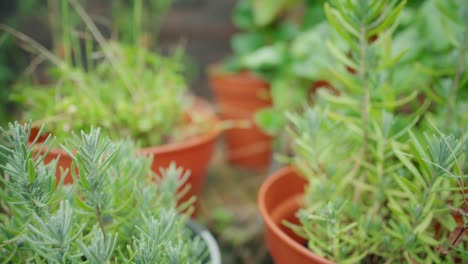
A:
(382, 188)
(113, 213)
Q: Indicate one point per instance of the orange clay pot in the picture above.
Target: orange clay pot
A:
(194, 154)
(279, 199)
(239, 96)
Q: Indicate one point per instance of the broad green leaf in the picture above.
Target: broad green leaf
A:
(266, 11)
(270, 120)
(243, 16)
(267, 56)
(247, 42)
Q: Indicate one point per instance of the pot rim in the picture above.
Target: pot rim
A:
(190, 143)
(195, 141)
(212, 244)
(266, 185)
(216, 70)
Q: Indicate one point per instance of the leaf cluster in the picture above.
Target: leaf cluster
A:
(135, 94)
(116, 211)
(279, 50)
(384, 187)
(127, 90)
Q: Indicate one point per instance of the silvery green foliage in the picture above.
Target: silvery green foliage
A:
(154, 232)
(31, 182)
(116, 211)
(381, 189)
(101, 248)
(51, 236)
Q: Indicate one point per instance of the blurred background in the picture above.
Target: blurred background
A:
(203, 27)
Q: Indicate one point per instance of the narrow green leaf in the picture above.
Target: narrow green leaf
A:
(341, 56)
(408, 190)
(427, 239)
(31, 171)
(388, 21)
(396, 59)
(420, 154)
(408, 164)
(82, 204)
(330, 13)
(349, 83)
(424, 224)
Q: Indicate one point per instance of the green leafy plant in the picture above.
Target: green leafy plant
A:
(382, 187)
(303, 69)
(259, 46)
(444, 26)
(276, 42)
(117, 210)
(129, 92)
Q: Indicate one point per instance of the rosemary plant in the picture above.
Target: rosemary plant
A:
(382, 189)
(113, 213)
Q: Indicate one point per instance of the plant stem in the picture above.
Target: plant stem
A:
(365, 103)
(65, 34)
(101, 223)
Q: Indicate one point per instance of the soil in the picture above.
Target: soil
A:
(229, 211)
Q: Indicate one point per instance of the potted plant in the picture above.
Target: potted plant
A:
(301, 74)
(111, 213)
(370, 184)
(263, 68)
(131, 92)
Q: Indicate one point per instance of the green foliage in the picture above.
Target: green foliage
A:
(267, 11)
(382, 184)
(276, 43)
(123, 95)
(127, 90)
(264, 30)
(116, 211)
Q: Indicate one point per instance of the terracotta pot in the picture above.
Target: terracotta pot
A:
(279, 199)
(239, 96)
(194, 154)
